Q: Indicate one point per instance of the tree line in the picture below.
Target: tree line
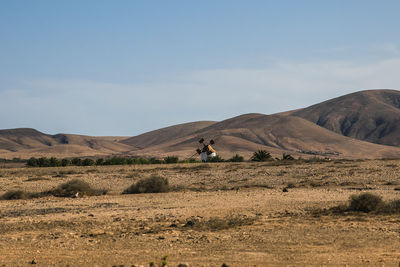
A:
(55, 162)
(260, 155)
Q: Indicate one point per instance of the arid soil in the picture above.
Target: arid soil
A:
(233, 213)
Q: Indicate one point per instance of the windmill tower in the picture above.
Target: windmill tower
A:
(207, 151)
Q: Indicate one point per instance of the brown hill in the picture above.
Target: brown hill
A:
(163, 135)
(25, 142)
(276, 133)
(372, 116)
(23, 138)
(328, 129)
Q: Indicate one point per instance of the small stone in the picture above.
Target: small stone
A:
(285, 190)
(33, 262)
(189, 223)
(183, 265)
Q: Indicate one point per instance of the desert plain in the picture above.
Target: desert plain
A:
(236, 214)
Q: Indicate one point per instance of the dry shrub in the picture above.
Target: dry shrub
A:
(365, 202)
(16, 194)
(153, 184)
(392, 207)
(216, 224)
(73, 188)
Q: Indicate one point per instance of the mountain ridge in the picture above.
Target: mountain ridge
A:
(363, 124)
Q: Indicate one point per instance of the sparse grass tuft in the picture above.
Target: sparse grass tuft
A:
(34, 179)
(152, 184)
(236, 158)
(217, 158)
(287, 157)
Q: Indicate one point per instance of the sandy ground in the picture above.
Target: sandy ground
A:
(233, 213)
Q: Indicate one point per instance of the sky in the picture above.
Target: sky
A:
(122, 68)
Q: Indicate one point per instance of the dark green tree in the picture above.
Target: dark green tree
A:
(88, 162)
(43, 162)
(100, 161)
(54, 162)
(171, 159)
(65, 162)
(32, 162)
(76, 161)
(261, 155)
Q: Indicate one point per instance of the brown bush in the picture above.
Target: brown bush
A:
(365, 202)
(73, 188)
(153, 184)
(16, 194)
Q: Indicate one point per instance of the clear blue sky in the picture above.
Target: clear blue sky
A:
(127, 67)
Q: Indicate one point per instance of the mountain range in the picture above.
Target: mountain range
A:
(363, 124)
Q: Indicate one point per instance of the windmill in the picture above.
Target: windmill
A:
(207, 151)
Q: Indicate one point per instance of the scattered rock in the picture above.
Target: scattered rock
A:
(189, 223)
(183, 265)
(173, 225)
(285, 190)
(33, 262)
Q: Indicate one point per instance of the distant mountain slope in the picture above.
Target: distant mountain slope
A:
(23, 138)
(166, 134)
(276, 133)
(372, 116)
(351, 126)
(24, 142)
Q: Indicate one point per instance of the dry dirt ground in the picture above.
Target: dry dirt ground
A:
(233, 213)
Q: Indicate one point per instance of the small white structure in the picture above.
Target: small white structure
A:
(207, 151)
(203, 156)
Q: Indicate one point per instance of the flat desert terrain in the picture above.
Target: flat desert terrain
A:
(232, 213)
